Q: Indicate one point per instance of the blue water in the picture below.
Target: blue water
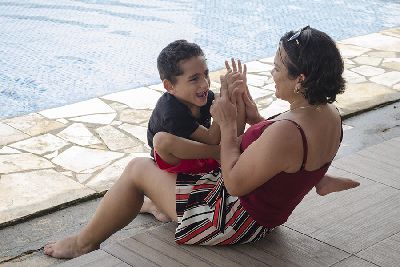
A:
(54, 53)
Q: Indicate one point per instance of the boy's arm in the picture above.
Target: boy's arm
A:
(173, 148)
(211, 136)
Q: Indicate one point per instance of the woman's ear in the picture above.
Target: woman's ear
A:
(168, 86)
(301, 78)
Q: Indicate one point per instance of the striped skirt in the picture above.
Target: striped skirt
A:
(208, 215)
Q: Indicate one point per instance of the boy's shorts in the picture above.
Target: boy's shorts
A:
(192, 166)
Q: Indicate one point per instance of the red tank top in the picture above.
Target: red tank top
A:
(272, 203)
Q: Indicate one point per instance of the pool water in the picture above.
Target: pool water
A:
(54, 53)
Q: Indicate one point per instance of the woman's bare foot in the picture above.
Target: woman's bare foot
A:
(67, 248)
(330, 184)
(149, 207)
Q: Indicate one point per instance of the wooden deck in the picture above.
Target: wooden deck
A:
(360, 227)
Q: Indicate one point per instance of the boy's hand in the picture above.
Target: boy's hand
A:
(237, 72)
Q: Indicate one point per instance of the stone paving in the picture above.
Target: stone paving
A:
(64, 154)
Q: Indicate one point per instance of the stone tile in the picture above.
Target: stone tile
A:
(63, 121)
(115, 139)
(22, 162)
(256, 92)
(353, 77)
(8, 134)
(375, 41)
(215, 87)
(92, 106)
(350, 51)
(256, 66)
(278, 106)
(41, 144)
(269, 60)
(105, 179)
(135, 116)
(51, 155)
(158, 87)
(9, 150)
(116, 123)
(137, 131)
(347, 62)
(214, 75)
(391, 63)
(118, 106)
(388, 78)
(384, 253)
(381, 54)
(33, 124)
(364, 95)
(77, 133)
(83, 177)
(88, 158)
(138, 98)
(96, 118)
(368, 70)
(23, 194)
(395, 32)
(256, 80)
(365, 60)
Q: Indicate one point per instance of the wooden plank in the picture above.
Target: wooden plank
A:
(133, 246)
(285, 247)
(351, 220)
(170, 248)
(371, 168)
(384, 253)
(95, 258)
(387, 152)
(134, 259)
(354, 261)
(205, 253)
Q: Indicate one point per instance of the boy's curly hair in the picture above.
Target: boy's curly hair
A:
(168, 60)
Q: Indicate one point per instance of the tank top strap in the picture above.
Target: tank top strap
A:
(304, 139)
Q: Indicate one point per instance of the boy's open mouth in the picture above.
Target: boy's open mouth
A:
(202, 94)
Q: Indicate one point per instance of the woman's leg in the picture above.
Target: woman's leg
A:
(120, 206)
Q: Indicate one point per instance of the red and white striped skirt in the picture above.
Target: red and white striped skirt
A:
(208, 215)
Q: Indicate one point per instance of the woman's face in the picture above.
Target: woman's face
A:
(284, 86)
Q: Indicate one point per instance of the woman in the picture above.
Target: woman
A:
(265, 175)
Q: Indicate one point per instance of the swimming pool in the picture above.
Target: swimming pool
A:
(52, 54)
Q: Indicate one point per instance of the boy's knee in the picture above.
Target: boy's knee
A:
(162, 140)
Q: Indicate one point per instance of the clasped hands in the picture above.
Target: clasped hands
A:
(234, 92)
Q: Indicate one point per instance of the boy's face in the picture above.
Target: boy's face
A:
(191, 88)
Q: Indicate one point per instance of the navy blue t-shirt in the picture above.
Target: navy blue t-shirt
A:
(174, 117)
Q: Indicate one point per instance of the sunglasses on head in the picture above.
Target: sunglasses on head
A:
(297, 34)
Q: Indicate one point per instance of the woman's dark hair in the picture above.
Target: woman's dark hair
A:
(169, 58)
(313, 53)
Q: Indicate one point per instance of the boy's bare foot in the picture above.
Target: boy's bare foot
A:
(330, 184)
(67, 248)
(149, 207)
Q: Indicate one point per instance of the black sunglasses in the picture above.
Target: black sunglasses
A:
(297, 34)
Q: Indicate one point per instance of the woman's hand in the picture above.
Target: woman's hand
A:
(223, 109)
(252, 114)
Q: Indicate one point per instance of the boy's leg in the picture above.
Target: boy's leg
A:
(172, 148)
(330, 184)
(119, 206)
